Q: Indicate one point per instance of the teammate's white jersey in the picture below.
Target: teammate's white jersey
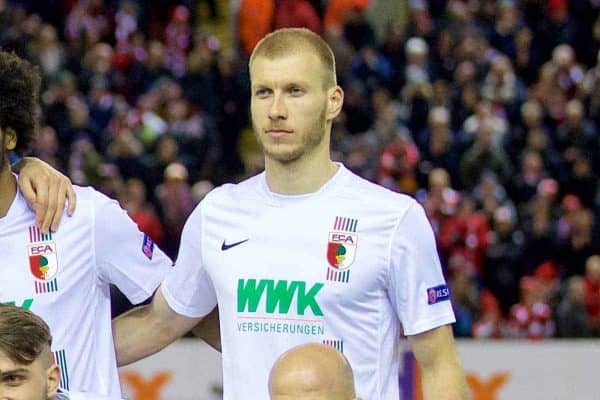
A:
(64, 395)
(64, 278)
(346, 266)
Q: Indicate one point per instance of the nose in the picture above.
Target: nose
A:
(278, 109)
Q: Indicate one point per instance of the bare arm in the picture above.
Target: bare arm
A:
(148, 329)
(442, 374)
(208, 330)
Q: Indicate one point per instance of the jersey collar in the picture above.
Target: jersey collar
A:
(281, 200)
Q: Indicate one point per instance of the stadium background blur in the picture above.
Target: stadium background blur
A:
(486, 111)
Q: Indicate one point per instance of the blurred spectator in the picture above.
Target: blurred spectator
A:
(503, 257)
(370, 68)
(484, 156)
(337, 11)
(465, 303)
(134, 201)
(577, 244)
(397, 165)
(591, 286)
(571, 315)
(296, 14)
(48, 53)
(532, 317)
(357, 30)
(490, 324)
(176, 203)
(255, 18)
(592, 87)
(437, 144)
(177, 39)
(464, 238)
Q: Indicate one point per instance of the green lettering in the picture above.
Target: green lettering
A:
(309, 299)
(281, 295)
(26, 303)
(249, 293)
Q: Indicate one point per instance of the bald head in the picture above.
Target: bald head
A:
(312, 371)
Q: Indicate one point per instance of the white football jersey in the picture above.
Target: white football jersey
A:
(64, 278)
(64, 395)
(345, 266)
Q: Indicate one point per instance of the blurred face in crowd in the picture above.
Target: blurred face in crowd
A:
(36, 381)
(575, 112)
(576, 291)
(292, 108)
(531, 112)
(592, 269)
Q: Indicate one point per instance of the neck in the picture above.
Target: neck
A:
(305, 175)
(8, 189)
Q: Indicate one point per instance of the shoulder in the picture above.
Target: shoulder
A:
(94, 207)
(373, 197)
(89, 195)
(231, 194)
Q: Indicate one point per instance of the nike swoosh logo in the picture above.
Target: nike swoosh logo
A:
(226, 246)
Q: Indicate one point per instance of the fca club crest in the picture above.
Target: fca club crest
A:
(42, 260)
(341, 249)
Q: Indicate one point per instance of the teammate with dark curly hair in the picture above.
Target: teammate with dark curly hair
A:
(19, 89)
(63, 276)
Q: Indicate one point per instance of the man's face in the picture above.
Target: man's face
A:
(289, 105)
(23, 382)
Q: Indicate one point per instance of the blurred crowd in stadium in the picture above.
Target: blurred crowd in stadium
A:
(486, 111)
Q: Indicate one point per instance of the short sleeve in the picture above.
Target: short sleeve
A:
(187, 288)
(125, 257)
(416, 285)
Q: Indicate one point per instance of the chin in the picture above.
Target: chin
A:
(284, 156)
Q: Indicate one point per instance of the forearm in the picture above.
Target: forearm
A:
(137, 335)
(441, 372)
(444, 381)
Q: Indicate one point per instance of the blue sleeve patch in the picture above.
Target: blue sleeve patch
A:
(437, 294)
(148, 246)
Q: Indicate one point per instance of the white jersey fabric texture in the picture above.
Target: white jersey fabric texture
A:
(64, 278)
(64, 395)
(351, 265)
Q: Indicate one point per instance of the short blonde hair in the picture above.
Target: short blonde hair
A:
(288, 41)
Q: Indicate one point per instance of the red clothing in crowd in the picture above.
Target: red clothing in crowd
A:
(297, 14)
(592, 298)
(464, 240)
(255, 18)
(336, 12)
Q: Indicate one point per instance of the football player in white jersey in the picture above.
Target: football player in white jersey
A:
(305, 251)
(27, 368)
(312, 371)
(64, 276)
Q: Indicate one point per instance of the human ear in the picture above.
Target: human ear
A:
(335, 100)
(52, 380)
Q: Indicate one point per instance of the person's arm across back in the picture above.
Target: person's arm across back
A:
(209, 330)
(148, 329)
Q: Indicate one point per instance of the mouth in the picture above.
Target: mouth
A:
(278, 133)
